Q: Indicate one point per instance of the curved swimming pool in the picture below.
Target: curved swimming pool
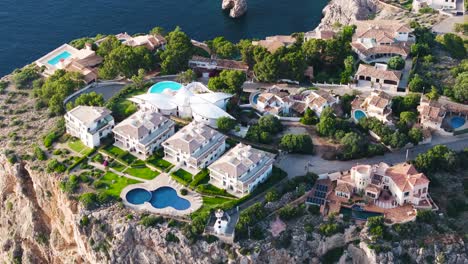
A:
(160, 198)
(255, 98)
(161, 86)
(358, 114)
(457, 121)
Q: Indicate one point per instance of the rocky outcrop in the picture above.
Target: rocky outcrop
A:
(237, 7)
(345, 12)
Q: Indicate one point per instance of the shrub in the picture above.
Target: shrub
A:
(89, 200)
(56, 166)
(225, 124)
(329, 229)
(297, 143)
(396, 63)
(272, 196)
(24, 78)
(39, 153)
(84, 221)
(183, 192)
(170, 237)
(151, 221)
(98, 158)
(289, 212)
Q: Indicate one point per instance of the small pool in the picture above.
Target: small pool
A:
(159, 87)
(255, 98)
(358, 114)
(357, 213)
(160, 198)
(56, 59)
(457, 121)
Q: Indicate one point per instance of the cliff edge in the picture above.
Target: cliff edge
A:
(345, 12)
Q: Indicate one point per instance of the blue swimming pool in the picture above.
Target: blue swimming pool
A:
(161, 86)
(56, 59)
(457, 122)
(358, 114)
(255, 98)
(160, 198)
(358, 213)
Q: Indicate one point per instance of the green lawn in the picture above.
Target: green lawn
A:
(78, 146)
(183, 176)
(115, 151)
(212, 190)
(117, 166)
(129, 158)
(142, 172)
(113, 184)
(211, 203)
(159, 163)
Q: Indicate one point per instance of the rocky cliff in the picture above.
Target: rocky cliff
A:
(237, 7)
(345, 12)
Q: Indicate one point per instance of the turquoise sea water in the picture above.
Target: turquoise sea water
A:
(31, 29)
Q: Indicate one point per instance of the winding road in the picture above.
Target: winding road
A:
(297, 165)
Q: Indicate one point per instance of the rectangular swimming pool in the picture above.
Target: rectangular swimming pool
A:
(56, 59)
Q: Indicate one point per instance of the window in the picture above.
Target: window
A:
(406, 194)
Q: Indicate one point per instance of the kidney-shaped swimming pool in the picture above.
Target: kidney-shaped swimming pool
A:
(160, 198)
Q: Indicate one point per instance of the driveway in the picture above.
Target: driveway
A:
(297, 165)
(446, 25)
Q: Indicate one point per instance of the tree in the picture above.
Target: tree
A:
(139, 78)
(408, 117)
(438, 158)
(222, 48)
(415, 135)
(309, 118)
(179, 50)
(313, 50)
(327, 125)
(346, 74)
(39, 153)
(267, 70)
(353, 145)
(229, 81)
(126, 61)
(270, 123)
(272, 196)
(453, 44)
(416, 84)
(433, 94)
(297, 143)
(57, 87)
(24, 78)
(420, 49)
(396, 63)
(405, 103)
(91, 99)
(225, 124)
(291, 63)
(460, 89)
(187, 76)
(108, 45)
(346, 100)
(158, 31)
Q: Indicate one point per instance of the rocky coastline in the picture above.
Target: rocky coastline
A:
(237, 8)
(345, 12)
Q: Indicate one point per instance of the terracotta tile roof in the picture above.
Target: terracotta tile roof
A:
(273, 43)
(431, 111)
(401, 49)
(406, 177)
(299, 107)
(344, 188)
(377, 28)
(380, 100)
(378, 73)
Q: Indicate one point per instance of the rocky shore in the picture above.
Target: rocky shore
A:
(345, 12)
(237, 7)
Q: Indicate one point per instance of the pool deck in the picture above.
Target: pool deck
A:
(163, 180)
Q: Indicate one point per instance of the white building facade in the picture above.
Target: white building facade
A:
(195, 146)
(89, 123)
(143, 132)
(241, 169)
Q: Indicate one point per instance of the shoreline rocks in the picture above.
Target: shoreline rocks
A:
(347, 11)
(237, 7)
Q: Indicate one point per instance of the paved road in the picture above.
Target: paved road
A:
(296, 165)
(446, 25)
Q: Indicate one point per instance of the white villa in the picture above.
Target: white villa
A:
(195, 146)
(143, 132)
(273, 101)
(241, 169)
(400, 184)
(378, 76)
(149, 41)
(89, 123)
(379, 40)
(378, 104)
(431, 114)
(71, 59)
(435, 4)
(319, 100)
(194, 101)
